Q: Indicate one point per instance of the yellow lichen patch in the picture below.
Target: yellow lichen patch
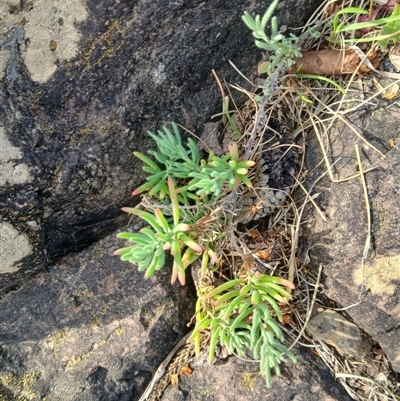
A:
(99, 344)
(97, 316)
(152, 312)
(56, 341)
(378, 275)
(84, 293)
(110, 42)
(248, 380)
(20, 386)
(87, 130)
(95, 323)
(97, 309)
(119, 331)
(70, 363)
(73, 361)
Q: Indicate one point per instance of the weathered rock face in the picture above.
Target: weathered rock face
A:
(372, 286)
(90, 329)
(81, 83)
(233, 379)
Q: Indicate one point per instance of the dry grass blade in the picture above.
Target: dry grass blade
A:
(367, 207)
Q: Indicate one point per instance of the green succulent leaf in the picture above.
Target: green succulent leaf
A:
(268, 14)
(213, 344)
(391, 29)
(265, 313)
(143, 188)
(274, 326)
(154, 166)
(161, 186)
(249, 21)
(255, 328)
(191, 243)
(161, 220)
(227, 296)
(156, 263)
(246, 312)
(203, 324)
(123, 251)
(234, 304)
(224, 287)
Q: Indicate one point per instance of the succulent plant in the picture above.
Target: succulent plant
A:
(239, 315)
(182, 188)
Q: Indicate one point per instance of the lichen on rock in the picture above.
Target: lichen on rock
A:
(13, 247)
(50, 33)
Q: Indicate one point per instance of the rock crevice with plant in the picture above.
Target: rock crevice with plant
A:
(194, 211)
(228, 216)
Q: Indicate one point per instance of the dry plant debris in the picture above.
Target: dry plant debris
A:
(313, 104)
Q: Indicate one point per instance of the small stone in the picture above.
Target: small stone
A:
(209, 138)
(333, 329)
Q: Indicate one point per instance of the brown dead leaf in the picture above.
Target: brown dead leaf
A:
(265, 254)
(254, 234)
(247, 266)
(331, 8)
(258, 206)
(392, 92)
(332, 62)
(305, 269)
(379, 351)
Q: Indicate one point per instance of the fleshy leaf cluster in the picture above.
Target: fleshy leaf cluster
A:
(198, 177)
(178, 176)
(239, 314)
(280, 46)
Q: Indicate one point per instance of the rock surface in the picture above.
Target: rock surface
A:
(90, 329)
(81, 84)
(370, 286)
(233, 379)
(333, 329)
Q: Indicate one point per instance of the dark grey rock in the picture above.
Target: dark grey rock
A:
(93, 329)
(90, 329)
